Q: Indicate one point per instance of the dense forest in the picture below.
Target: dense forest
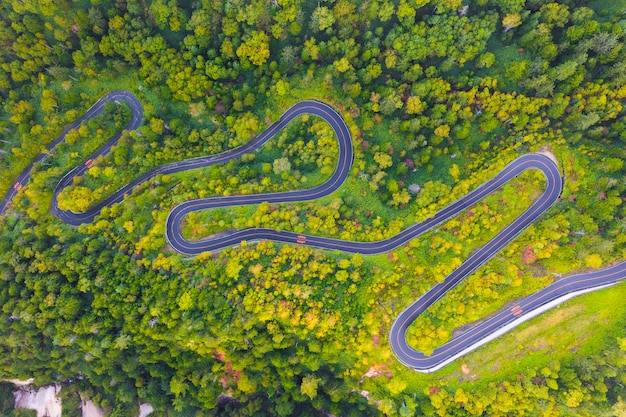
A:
(438, 94)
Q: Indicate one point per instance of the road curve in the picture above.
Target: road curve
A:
(117, 96)
(487, 330)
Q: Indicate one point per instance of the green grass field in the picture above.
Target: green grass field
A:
(580, 326)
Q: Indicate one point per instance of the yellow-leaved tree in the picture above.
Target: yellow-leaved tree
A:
(255, 47)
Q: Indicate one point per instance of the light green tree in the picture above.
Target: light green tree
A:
(255, 47)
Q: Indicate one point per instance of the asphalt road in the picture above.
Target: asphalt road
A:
(458, 346)
(136, 119)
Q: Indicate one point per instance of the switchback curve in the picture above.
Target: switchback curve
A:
(503, 321)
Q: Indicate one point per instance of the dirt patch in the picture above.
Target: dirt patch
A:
(168, 248)
(544, 150)
(467, 374)
(20, 383)
(538, 271)
(376, 371)
(465, 369)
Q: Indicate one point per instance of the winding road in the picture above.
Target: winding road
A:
(500, 323)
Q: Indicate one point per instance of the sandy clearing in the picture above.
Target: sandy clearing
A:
(47, 404)
(19, 382)
(43, 400)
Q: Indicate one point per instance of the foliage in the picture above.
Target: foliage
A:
(438, 94)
